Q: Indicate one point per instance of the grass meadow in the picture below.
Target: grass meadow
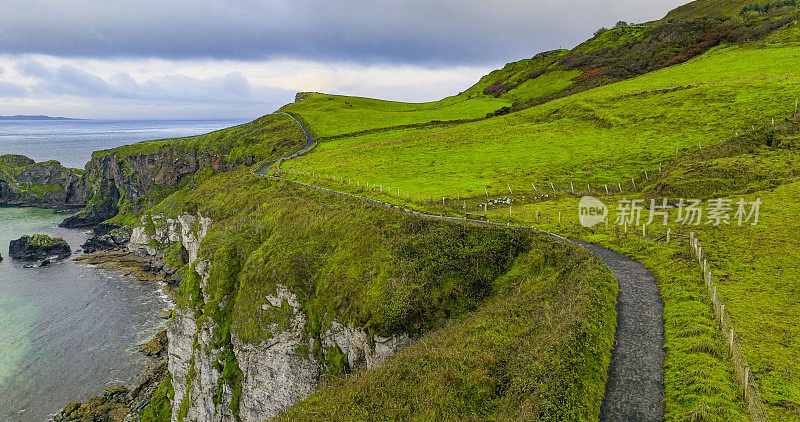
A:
(605, 135)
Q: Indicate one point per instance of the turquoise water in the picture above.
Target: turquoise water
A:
(67, 330)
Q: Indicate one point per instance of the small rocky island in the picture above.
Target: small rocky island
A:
(39, 247)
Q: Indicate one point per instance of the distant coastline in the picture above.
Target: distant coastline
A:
(26, 117)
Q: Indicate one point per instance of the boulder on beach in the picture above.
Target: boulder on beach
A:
(39, 247)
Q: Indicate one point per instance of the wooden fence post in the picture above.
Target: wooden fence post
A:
(668, 232)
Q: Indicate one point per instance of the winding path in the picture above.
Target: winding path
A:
(264, 171)
(635, 387)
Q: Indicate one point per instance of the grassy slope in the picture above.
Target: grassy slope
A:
(756, 272)
(267, 137)
(611, 133)
(695, 9)
(536, 350)
(605, 135)
(264, 139)
(332, 115)
(394, 273)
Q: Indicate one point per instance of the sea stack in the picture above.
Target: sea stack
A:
(39, 247)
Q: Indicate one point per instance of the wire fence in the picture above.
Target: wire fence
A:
(744, 376)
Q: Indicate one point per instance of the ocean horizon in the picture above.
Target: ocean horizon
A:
(71, 142)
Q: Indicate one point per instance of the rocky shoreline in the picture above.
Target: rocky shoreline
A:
(120, 403)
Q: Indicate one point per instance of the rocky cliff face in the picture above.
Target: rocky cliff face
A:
(115, 180)
(275, 373)
(48, 184)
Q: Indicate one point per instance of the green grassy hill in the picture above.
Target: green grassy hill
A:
(700, 8)
(334, 115)
(755, 267)
(601, 136)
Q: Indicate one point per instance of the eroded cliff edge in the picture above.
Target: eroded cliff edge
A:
(24, 182)
(286, 292)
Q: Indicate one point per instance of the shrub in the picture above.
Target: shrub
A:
(763, 8)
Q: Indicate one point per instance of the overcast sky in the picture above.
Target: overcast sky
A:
(245, 58)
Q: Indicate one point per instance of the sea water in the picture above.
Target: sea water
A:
(68, 330)
(72, 141)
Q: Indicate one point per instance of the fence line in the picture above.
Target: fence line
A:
(743, 374)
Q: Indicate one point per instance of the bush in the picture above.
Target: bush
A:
(763, 8)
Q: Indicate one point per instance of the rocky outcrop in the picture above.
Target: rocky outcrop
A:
(275, 373)
(107, 237)
(117, 178)
(24, 182)
(117, 404)
(157, 230)
(39, 247)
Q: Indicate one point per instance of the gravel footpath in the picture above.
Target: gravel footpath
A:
(635, 386)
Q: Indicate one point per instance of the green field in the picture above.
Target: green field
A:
(605, 135)
(608, 135)
(333, 115)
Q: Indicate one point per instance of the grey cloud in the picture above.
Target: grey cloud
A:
(31, 67)
(412, 31)
(71, 80)
(76, 81)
